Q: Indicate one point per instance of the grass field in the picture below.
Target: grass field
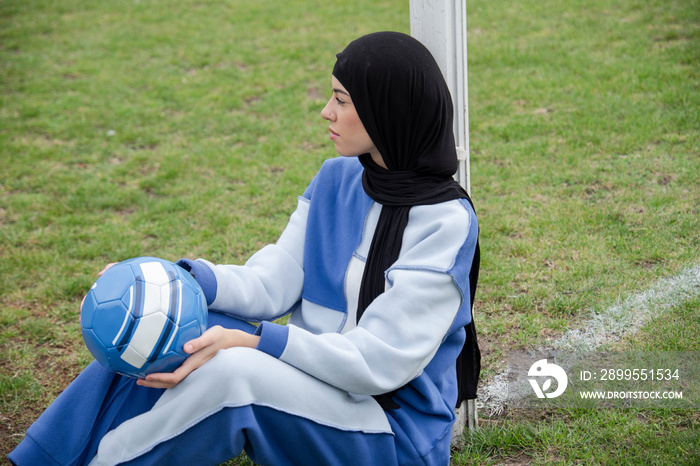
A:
(188, 128)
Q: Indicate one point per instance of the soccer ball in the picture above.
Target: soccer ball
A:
(138, 315)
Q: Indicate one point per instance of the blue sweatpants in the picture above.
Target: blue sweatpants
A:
(240, 400)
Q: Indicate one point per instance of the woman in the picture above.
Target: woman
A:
(374, 268)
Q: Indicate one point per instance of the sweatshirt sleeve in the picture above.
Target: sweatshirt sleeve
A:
(402, 330)
(389, 348)
(268, 285)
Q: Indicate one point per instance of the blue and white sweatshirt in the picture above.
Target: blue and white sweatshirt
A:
(410, 336)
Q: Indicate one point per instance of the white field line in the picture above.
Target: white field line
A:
(607, 326)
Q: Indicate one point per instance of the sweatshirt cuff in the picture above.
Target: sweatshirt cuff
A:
(273, 338)
(204, 276)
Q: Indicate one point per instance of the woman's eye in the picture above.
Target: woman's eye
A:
(340, 102)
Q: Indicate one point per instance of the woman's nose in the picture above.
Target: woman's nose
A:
(326, 112)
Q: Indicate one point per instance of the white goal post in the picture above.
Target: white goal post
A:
(441, 25)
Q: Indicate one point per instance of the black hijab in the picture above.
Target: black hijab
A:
(404, 104)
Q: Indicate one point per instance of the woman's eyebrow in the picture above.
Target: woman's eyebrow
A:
(341, 91)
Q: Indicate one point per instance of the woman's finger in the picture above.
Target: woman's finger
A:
(107, 267)
(203, 351)
(210, 337)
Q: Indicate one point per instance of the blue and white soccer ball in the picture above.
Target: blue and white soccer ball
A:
(138, 315)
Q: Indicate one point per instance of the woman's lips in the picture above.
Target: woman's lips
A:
(334, 135)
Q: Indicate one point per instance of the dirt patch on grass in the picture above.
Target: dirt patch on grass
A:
(29, 386)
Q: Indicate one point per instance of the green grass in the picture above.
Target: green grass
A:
(187, 129)
(601, 436)
(616, 437)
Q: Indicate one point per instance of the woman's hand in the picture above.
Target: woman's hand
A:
(201, 349)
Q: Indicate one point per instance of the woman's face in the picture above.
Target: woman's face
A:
(347, 131)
